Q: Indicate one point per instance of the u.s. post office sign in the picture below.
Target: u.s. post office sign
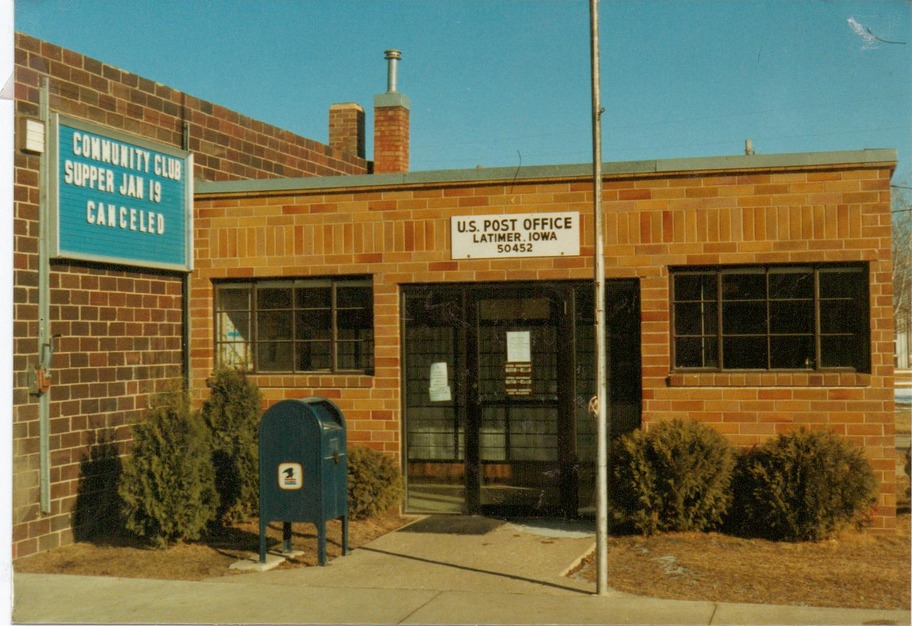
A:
(118, 198)
(515, 235)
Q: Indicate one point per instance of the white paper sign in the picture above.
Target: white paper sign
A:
(519, 347)
(515, 235)
(439, 387)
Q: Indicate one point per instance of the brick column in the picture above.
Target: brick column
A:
(346, 128)
(391, 133)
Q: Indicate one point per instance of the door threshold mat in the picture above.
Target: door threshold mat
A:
(454, 525)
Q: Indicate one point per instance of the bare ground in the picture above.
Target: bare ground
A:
(856, 569)
(200, 560)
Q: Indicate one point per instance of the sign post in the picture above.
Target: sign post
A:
(602, 400)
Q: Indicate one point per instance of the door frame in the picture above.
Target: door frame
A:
(561, 297)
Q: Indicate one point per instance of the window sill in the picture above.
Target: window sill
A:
(769, 379)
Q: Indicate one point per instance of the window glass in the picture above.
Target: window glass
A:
(746, 286)
(313, 325)
(792, 352)
(314, 356)
(847, 284)
(839, 351)
(273, 356)
(843, 319)
(696, 352)
(274, 325)
(691, 287)
(744, 353)
(791, 284)
(232, 326)
(273, 298)
(234, 299)
(780, 317)
(316, 297)
(787, 317)
(838, 316)
(695, 318)
(355, 355)
(354, 324)
(233, 331)
(296, 326)
(744, 318)
(353, 297)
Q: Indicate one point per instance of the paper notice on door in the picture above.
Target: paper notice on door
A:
(517, 379)
(519, 347)
(440, 383)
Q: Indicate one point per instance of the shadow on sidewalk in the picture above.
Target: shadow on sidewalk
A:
(475, 570)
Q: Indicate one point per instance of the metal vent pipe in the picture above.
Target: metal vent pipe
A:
(392, 57)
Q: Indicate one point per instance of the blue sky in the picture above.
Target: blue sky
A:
(507, 82)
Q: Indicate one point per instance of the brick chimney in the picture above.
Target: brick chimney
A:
(391, 124)
(346, 128)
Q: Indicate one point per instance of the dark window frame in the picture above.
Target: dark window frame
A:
(295, 326)
(770, 318)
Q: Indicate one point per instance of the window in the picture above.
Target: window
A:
(771, 318)
(324, 325)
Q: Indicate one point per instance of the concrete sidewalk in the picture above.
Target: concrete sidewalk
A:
(438, 571)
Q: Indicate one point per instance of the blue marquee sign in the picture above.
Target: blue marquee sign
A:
(118, 198)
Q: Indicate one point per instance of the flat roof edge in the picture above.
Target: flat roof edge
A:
(529, 172)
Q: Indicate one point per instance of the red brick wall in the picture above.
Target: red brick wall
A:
(227, 144)
(400, 235)
(120, 329)
(346, 128)
(786, 217)
(391, 139)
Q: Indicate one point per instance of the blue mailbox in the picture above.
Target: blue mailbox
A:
(303, 469)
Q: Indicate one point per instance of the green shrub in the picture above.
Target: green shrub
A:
(233, 413)
(801, 486)
(374, 483)
(674, 477)
(167, 483)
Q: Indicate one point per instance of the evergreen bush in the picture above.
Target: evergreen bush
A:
(673, 477)
(168, 483)
(801, 486)
(233, 413)
(374, 483)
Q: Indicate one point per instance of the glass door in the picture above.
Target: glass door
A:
(434, 336)
(488, 378)
(516, 411)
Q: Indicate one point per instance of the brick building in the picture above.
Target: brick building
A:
(752, 293)
(119, 331)
(449, 314)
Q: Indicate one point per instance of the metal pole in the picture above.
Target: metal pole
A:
(44, 304)
(185, 286)
(602, 400)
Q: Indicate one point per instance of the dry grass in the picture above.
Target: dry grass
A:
(198, 561)
(856, 569)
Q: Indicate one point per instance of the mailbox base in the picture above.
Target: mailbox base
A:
(252, 564)
(287, 544)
